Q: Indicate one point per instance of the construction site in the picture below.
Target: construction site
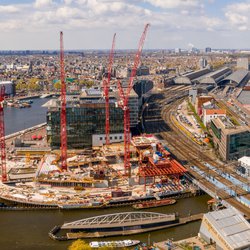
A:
(61, 170)
(96, 178)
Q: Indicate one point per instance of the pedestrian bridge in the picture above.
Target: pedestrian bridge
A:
(119, 219)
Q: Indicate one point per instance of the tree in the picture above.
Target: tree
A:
(33, 84)
(79, 245)
(86, 83)
(21, 85)
(57, 85)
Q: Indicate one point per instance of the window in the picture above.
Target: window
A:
(115, 137)
(100, 138)
(120, 137)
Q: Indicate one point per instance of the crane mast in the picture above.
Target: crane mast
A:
(124, 96)
(63, 108)
(2, 136)
(106, 86)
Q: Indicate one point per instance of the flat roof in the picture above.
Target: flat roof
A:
(228, 127)
(245, 160)
(144, 140)
(231, 226)
(244, 97)
(6, 82)
(215, 112)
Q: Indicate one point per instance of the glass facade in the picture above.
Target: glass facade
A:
(239, 144)
(216, 131)
(82, 122)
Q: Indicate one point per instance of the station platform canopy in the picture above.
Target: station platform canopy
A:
(236, 78)
(189, 78)
(215, 77)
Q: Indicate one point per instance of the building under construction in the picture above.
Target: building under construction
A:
(100, 176)
(86, 119)
(155, 162)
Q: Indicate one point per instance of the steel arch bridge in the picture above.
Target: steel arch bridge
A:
(121, 219)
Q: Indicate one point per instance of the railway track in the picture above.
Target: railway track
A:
(190, 152)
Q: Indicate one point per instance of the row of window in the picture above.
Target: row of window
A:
(111, 138)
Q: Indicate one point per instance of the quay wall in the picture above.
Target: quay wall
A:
(21, 132)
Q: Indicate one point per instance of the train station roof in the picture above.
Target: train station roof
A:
(236, 77)
(189, 77)
(216, 76)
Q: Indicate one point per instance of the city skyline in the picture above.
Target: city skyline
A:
(35, 24)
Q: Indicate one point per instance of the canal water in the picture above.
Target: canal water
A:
(17, 119)
(28, 230)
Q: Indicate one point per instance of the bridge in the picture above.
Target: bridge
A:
(119, 219)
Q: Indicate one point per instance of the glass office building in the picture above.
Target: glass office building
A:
(232, 142)
(86, 118)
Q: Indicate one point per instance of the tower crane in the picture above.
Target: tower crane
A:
(2, 136)
(106, 87)
(63, 108)
(124, 97)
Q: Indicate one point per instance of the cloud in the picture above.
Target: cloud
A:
(169, 4)
(237, 15)
(43, 3)
(170, 18)
(111, 14)
(8, 9)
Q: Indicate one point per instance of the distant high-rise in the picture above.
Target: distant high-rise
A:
(194, 50)
(177, 50)
(202, 63)
(243, 63)
(208, 50)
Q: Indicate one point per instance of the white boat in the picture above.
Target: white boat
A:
(116, 244)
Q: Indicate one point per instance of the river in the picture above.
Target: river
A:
(18, 119)
(28, 230)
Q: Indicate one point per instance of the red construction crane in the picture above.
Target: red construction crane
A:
(106, 86)
(2, 136)
(124, 102)
(63, 108)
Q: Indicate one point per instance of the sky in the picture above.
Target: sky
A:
(90, 24)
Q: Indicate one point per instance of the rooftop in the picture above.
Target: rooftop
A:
(216, 76)
(231, 226)
(144, 140)
(215, 112)
(225, 124)
(245, 160)
(244, 97)
(237, 77)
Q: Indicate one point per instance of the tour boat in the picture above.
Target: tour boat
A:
(114, 244)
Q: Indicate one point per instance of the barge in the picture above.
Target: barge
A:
(155, 203)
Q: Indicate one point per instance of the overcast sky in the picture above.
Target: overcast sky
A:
(90, 24)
